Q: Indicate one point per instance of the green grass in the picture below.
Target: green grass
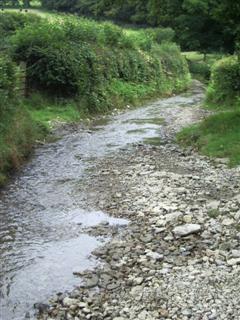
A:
(213, 213)
(18, 135)
(218, 136)
(39, 12)
(195, 56)
(50, 114)
(46, 110)
(200, 65)
(122, 93)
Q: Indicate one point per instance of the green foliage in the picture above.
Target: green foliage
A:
(200, 64)
(206, 25)
(174, 67)
(62, 5)
(46, 111)
(82, 67)
(8, 79)
(17, 3)
(17, 130)
(225, 84)
(200, 70)
(161, 35)
(79, 58)
(122, 93)
(217, 136)
(18, 133)
(10, 22)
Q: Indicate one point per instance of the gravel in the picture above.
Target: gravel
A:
(179, 256)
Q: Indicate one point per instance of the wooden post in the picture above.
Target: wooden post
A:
(21, 81)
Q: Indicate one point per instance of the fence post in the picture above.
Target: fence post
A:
(22, 80)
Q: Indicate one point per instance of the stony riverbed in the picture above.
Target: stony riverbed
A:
(173, 217)
(179, 257)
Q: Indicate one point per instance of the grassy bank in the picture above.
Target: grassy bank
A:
(200, 65)
(18, 135)
(77, 68)
(218, 136)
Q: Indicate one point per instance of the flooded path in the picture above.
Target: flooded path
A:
(43, 211)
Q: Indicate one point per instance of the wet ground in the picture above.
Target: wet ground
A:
(44, 211)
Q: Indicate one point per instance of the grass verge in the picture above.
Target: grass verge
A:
(18, 135)
(218, 136)
(200, 65)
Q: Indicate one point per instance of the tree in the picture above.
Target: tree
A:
(205, 25)
(164, 12)
(61, 5)
(228, 14)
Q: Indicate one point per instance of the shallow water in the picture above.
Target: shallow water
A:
(43, 210)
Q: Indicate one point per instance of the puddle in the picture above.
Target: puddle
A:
(94, 218)
(136, 131)
(52, 268)
(154, 141)
(156, 121)
(49, 268)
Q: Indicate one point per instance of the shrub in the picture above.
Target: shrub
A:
(113, 35)
(79, 58)
(174, 67)
(225, 83)
(13, 21)
(199, 69)
(63, 5)
(7, 82)
(160, 35)
(10, 22)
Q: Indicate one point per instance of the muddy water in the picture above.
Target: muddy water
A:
(43, 210)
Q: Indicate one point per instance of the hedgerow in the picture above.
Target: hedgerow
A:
(87, 66)
(79, 58)
(225, 81)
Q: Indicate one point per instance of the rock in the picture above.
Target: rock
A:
(187, 219)
(154, 255)
(187, 312)
(163, 313)
(113, 286)
(235, 254)
(213, 205)
(146, 238)
(82, 305)
(41, 307)
(67, 302)
(137, 281)
(186, 229)
(91, 282)
(228, 222)
(149, 270)
(233, 262)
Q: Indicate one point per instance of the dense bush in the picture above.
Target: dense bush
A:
(10, 22)
(161, 35)
(200, 70)
(79, 58)
(204, 25)
(225, 81)
(7, 82)
(63, 5)
(17, 130)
